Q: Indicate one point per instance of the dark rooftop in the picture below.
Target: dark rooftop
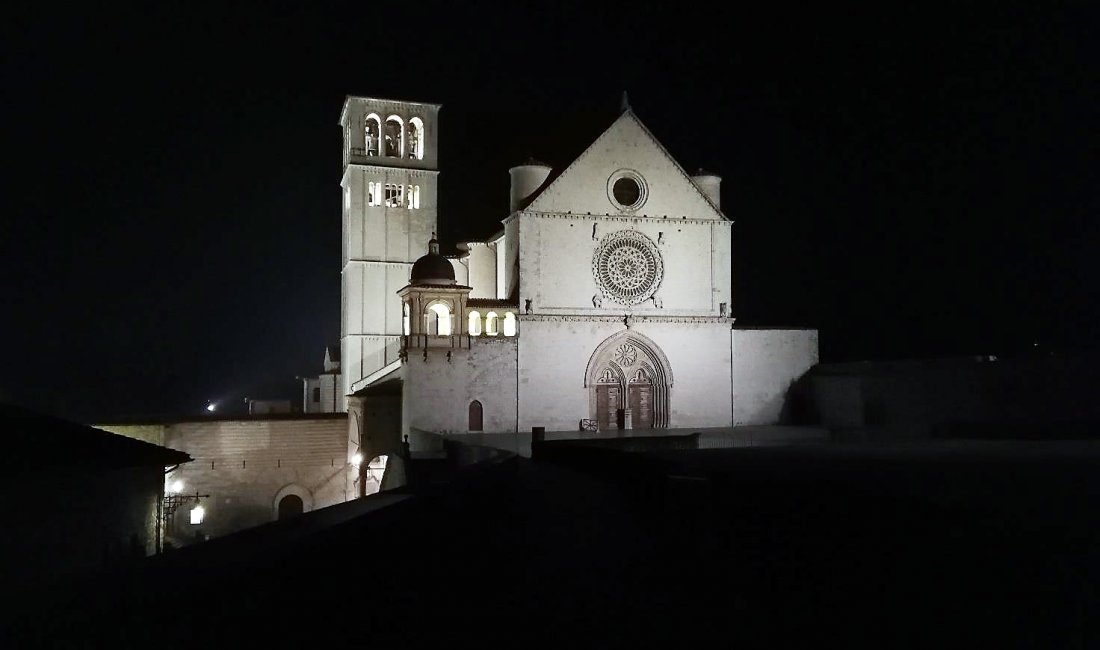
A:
(33, 440)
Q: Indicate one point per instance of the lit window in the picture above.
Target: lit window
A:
(440, 317)
(414, 145)
(372, 134)
(395, 140)
(374, 193)
(197, 514)
(509, 324)
(475, 323)
(491, 323)
(395, 195)
(406, 321)
(412, 197)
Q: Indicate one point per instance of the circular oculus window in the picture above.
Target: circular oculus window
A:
(627, 189)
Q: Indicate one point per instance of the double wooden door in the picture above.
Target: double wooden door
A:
(609, 406)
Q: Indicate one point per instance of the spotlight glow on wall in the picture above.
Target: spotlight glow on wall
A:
(175, 487)
(357, 459)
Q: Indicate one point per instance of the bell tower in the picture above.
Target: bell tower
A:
(389, 208)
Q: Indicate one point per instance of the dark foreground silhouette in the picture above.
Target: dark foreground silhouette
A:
(964, 544)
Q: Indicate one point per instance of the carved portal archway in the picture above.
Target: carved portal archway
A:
(629, 381)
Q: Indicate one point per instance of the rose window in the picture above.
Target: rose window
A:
(627, 267)
(626, 354)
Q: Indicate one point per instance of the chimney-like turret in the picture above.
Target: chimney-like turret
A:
(710, 184)
(526, 180)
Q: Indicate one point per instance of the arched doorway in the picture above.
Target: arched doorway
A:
(476, 416)
(629, 382)
(291, 505)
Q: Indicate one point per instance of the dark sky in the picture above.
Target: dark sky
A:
(914, 183)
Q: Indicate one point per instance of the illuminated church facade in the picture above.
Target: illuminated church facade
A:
(603, 303)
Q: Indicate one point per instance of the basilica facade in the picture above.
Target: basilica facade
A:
(603, 303)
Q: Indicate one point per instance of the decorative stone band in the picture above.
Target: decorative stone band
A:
(634, 318)
(625, 219)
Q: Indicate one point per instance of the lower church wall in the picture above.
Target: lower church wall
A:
(554, 357)
(439, 392)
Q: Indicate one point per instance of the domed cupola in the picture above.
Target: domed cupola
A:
(433, 268)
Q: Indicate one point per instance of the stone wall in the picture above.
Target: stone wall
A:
(1037, 396)
(554, 354)
(766, 364)
(437, 392)
(247, 465)
(556, 265)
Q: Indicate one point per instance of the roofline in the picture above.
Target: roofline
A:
(215, 418)
(548, 183)
(348, 98)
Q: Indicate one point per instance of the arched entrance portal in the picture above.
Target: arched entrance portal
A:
(290, 505)
(629, 382)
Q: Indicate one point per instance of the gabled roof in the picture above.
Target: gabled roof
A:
(626, 143)
(33, 442)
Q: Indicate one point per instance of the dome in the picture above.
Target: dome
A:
(432, 268)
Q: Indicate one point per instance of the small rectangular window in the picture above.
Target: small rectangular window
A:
(317, 394)
(374, 192)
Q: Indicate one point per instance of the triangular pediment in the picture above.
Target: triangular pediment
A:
(626, 148)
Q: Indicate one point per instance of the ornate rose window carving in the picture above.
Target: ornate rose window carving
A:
(627, 267)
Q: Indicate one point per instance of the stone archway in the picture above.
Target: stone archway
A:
(629, 382)
(280, 508)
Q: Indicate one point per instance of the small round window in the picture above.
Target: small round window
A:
(627, 189)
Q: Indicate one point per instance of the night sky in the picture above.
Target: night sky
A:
(914, 184)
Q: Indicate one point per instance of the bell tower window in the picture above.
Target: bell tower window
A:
(395, 137)
(372, 134)
(414, 144)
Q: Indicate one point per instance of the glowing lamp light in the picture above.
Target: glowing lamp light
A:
(176, 487)
(357, 459)
(210, 407)
(197, 514)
